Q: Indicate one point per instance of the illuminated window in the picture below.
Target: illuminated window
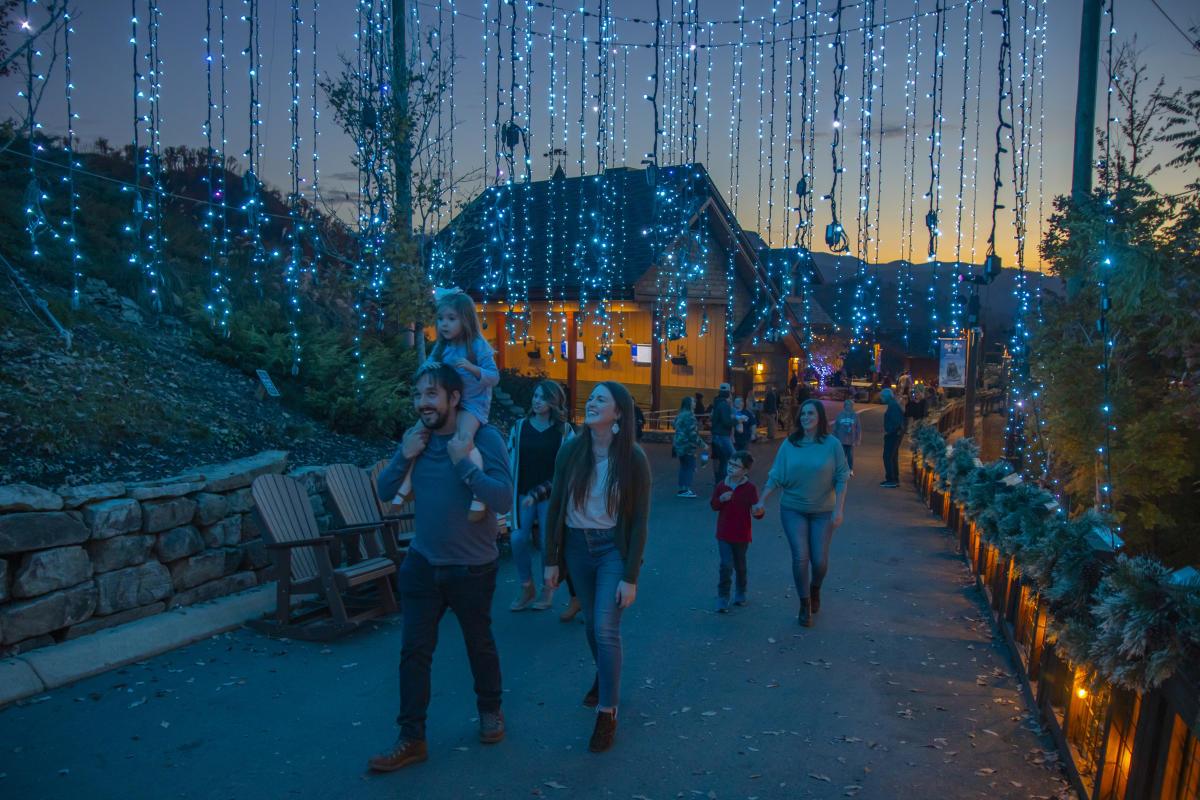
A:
(1181, 779)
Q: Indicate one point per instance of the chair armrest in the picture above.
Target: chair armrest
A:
(320, 541)
(354, 530)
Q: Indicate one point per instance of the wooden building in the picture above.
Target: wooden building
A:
(533, 255)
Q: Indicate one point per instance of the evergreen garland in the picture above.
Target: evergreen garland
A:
(1146, 626)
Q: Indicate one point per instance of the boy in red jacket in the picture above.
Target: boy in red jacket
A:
(733, 499)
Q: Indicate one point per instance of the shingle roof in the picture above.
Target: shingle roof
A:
(554, 225)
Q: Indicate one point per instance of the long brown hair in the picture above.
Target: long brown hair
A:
(581, 464)
(556, 399)
(822, 423)
(462, 305)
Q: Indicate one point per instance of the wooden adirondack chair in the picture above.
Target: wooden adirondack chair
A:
(303, 565)
(398, 516)
(357, 503)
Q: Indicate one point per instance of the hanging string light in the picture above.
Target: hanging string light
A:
(863, 288)
(956, 308)
(35, 192)
(218, 307)
(835, 233)
(908, 205)
(252, 189)
(72, 165)
(291, 273)
(934, 192)
(316, 239)
(735, 153)
(881, 71)
(1104, 267)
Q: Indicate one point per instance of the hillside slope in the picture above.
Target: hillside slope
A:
(134, 401)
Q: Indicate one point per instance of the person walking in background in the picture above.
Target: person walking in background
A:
(733, 499)
(700, 410)
(687, 446)
(810, 471)
(640, 420)
(722, 433)
(451, 562)
(598, 518)
(917, 407)
(893, 431)
(744, 423)
(848, 431)
(533, 446)
(770, 411)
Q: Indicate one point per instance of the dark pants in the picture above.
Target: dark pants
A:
(848, 449)
(733, 562)
(426, 592)
(891, 456)
(722, 451)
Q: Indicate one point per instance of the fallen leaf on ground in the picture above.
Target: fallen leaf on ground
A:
(817, 777)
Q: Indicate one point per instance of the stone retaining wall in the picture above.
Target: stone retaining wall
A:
(84, 558)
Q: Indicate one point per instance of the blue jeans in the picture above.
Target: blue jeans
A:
(522, 538)
(596, 566)
(733, 562)
(426, 592)
(722, 451)
(808, 535)
(687, 471)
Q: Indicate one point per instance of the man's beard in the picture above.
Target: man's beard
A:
(439, 420)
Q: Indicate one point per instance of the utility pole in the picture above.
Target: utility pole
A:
(973, 343)
(1085, 100)
(402, 149)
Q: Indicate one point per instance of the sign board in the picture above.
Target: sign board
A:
(268, 385)
(952, 368)
(579, 350)
(642, 353)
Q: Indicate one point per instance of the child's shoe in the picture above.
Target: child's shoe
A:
(739, 597)
(722, 604)
(478, 510)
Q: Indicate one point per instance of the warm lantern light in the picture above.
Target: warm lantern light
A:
(1081, 693)
(759, 368)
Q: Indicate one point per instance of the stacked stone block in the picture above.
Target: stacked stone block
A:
(85, 558)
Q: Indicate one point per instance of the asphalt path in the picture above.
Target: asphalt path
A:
(899, 691)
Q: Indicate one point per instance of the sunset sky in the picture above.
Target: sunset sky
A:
(103, 86)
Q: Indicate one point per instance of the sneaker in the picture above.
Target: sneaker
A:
(688, 493)
(491, 727)
(884, 482)
(545, 601)
(739, 598)
(525, 599)
(890, 485)
(722, 605)
(402, 754)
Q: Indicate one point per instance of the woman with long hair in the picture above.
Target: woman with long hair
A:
(687, 446)
(599, 509)
(810, 472)
(533, 446)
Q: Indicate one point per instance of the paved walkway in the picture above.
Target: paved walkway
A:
(900, 691)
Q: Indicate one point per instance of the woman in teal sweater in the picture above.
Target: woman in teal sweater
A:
(810, 470)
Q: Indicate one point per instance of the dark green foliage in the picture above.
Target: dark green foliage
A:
(960, 466)
(980, 496)
(1146, 626)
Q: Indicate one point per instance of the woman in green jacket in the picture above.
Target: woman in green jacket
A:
(599, 509)
(688, 446)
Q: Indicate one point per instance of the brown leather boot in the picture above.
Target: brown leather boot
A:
(402, 754)
(573, 608)
(491, 727)
(604, 732)
(592, 698)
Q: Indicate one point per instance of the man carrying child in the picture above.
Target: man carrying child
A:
(733, 499)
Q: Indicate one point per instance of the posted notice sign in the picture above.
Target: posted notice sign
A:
(952, 370)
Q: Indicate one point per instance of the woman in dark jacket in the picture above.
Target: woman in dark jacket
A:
(599, 510)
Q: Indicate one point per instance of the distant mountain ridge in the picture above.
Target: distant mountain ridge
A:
(998, 300)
